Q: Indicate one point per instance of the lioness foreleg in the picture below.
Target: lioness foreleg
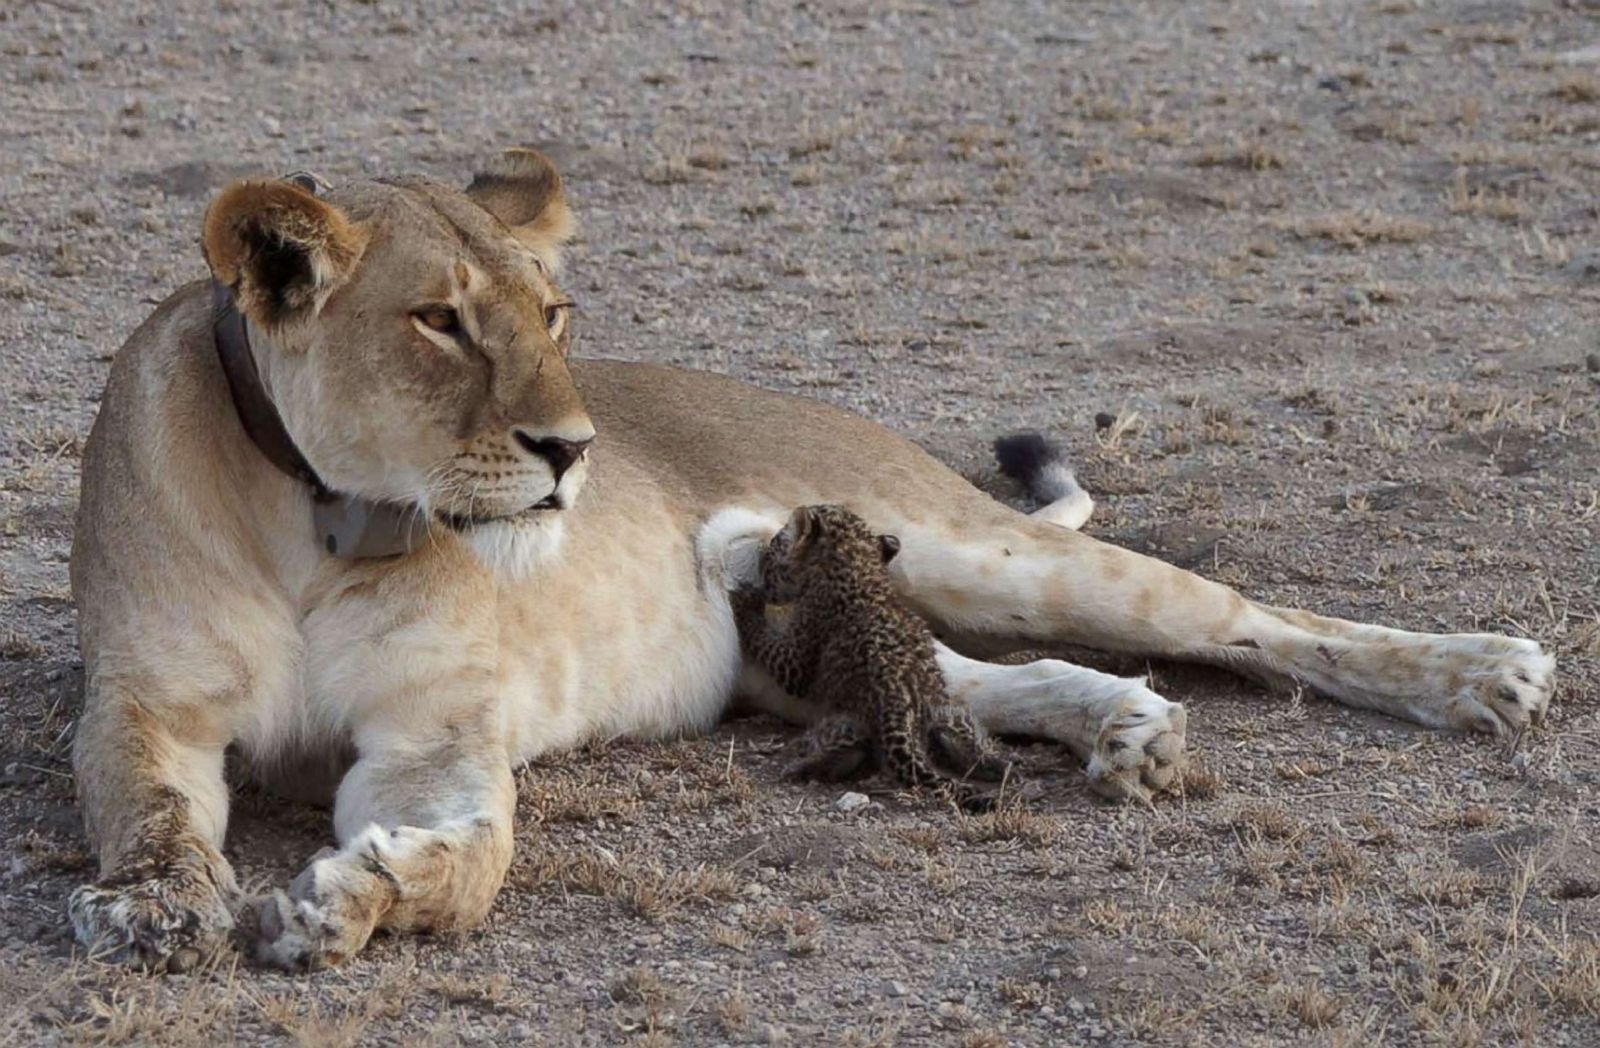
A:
(425, 832)
(1130, 739)
(155, 807)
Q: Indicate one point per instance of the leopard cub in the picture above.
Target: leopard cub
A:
(825, 622)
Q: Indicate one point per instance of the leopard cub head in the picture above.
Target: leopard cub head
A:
(819, 544)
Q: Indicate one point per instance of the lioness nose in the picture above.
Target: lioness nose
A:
(559, 452)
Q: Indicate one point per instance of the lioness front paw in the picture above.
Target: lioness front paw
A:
(325, 917)
(1140, 748)
(167, 924)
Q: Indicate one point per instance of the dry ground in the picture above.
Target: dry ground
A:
(1328, 273)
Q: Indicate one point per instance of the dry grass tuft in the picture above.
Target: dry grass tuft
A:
(1023, 996)
(1268, 821)
(732, 1011)
(1578, 88)
(1575, 985)
(1011, 824)
(1312, 1005)
(1488, 203)
(1356, 229)
(1253, 157)
(641, 884)
(14, 647)
(985, 1039)
(1201, 782)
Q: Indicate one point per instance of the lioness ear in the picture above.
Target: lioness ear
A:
(521, 188)
(888, 546)
(278, 247)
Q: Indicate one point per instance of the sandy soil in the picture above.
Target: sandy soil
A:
(1327, 274)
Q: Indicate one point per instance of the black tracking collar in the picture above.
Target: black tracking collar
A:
(346, 526)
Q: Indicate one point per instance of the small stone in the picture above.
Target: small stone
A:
(1592, 362)
(1081, 972)
(894, 988)
(1104, 420)
(772, 1033)
(1584, 264)
(850, 801)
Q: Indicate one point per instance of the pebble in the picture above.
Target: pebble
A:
(1585, 265)
(850, 801)
(894, 988)
(1592, 362)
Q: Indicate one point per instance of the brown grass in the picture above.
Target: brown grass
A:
(1312, 1005)
(645, 887)
(732, 1011)
(1488, 203)
(1356, 229)
(1011, 824)
(1253, 157)
(1579, 88)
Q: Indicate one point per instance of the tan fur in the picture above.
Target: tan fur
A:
(210, 617)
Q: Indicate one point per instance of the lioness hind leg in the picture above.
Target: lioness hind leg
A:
(426, 832)
(1019, 581)
(155, 806)
(1466, 681)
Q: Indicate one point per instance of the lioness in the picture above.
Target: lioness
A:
(412, 341)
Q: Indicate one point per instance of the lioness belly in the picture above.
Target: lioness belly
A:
(624, 638)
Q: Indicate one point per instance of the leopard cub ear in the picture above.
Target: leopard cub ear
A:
(888, 547)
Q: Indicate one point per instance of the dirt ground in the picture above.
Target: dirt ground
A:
(1312, 291)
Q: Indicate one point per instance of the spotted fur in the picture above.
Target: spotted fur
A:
(826, 623)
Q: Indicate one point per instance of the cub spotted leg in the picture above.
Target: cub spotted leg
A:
(837, 748)
(1021, 581)
(156, 807)
(425, 832)
(956, 741)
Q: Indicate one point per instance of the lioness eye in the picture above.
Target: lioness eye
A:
(555, 318)
(442, 319)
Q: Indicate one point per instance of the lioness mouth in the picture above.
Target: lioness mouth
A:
(466, 521)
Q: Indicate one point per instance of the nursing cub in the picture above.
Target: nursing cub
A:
(826, 624)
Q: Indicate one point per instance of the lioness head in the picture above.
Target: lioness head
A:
(416, 342)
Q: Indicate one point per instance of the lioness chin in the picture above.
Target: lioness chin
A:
(567, 533)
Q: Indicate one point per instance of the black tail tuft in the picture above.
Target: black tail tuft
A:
(1024, 456)
(1040, 464)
